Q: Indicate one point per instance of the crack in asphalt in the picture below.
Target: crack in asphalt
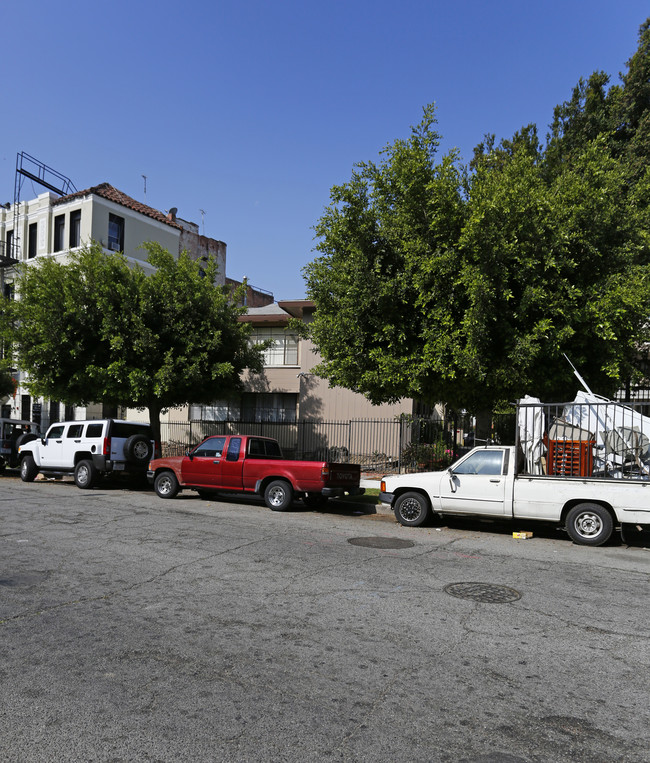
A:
(125, 589)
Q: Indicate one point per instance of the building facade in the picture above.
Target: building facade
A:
(288, 390)
(53, 226)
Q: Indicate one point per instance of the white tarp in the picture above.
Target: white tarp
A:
(621, 433)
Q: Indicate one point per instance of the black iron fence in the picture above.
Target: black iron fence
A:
(378, 445)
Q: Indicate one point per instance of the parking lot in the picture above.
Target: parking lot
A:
(140, 629)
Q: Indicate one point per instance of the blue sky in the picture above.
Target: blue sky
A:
(253, 110)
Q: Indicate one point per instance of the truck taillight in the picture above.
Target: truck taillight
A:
(157, 450)
(325, 473)
(107, 446)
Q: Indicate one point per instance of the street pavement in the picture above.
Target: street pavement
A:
(139, 629)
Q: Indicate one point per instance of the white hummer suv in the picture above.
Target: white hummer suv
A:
(89, 449)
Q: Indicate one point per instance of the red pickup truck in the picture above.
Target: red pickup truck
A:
(247, 464)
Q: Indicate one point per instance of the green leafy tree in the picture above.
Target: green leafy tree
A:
(386, 234)
(468, 288)
(96, 329)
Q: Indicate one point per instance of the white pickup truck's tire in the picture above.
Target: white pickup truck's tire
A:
(278, 495)
(85, 474)
(28, 469)
(166, 485)
(412, 509)
(589, 524)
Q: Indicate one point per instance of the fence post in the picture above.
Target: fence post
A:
(399, 445)
(349, 439)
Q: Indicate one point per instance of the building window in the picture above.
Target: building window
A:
(219, 410)
(283, 350)
(10, 244)
(269, 406)
(59, 229)
(75, 229)
(31, 240)
(26, 407)
(115, 233)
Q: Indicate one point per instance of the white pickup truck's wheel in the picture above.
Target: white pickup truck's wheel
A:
(589, 524)
(412, 509)
(166, 484)
(278, 495)
(28, 469)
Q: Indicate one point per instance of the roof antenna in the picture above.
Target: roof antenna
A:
(145, 188)
(575, 371)
(202, 211)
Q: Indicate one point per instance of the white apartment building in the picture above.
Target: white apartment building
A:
(52, 226)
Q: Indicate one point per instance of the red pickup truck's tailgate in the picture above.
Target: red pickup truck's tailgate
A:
(343, 475)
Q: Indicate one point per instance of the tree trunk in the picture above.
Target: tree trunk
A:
(154, 420)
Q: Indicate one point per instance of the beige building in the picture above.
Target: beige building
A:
(288, 390)
(289, 402)
(52, 225)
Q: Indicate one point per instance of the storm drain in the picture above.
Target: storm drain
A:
(379, 542)
(486, 593)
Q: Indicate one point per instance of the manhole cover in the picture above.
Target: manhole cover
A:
(379, 542)
(483, 592)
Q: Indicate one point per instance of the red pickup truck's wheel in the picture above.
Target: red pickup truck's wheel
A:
(412, 509)
(166, 484)
(278, 495)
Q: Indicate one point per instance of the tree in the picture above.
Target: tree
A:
(468, 288)
(378, 232)
(95, 329)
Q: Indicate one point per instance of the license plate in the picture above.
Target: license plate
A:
(118, 467)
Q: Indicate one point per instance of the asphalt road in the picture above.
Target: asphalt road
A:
(138, 629)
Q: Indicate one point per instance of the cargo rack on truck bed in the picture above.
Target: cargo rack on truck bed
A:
(590, 436)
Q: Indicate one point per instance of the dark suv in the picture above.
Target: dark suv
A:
(14, 433)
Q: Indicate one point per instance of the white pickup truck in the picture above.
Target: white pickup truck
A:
(485, 482)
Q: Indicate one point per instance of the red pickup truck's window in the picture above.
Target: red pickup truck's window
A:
(263, 448)
(212, 447)
(234, 446)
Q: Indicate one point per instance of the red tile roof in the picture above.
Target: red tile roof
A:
(106, 191)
